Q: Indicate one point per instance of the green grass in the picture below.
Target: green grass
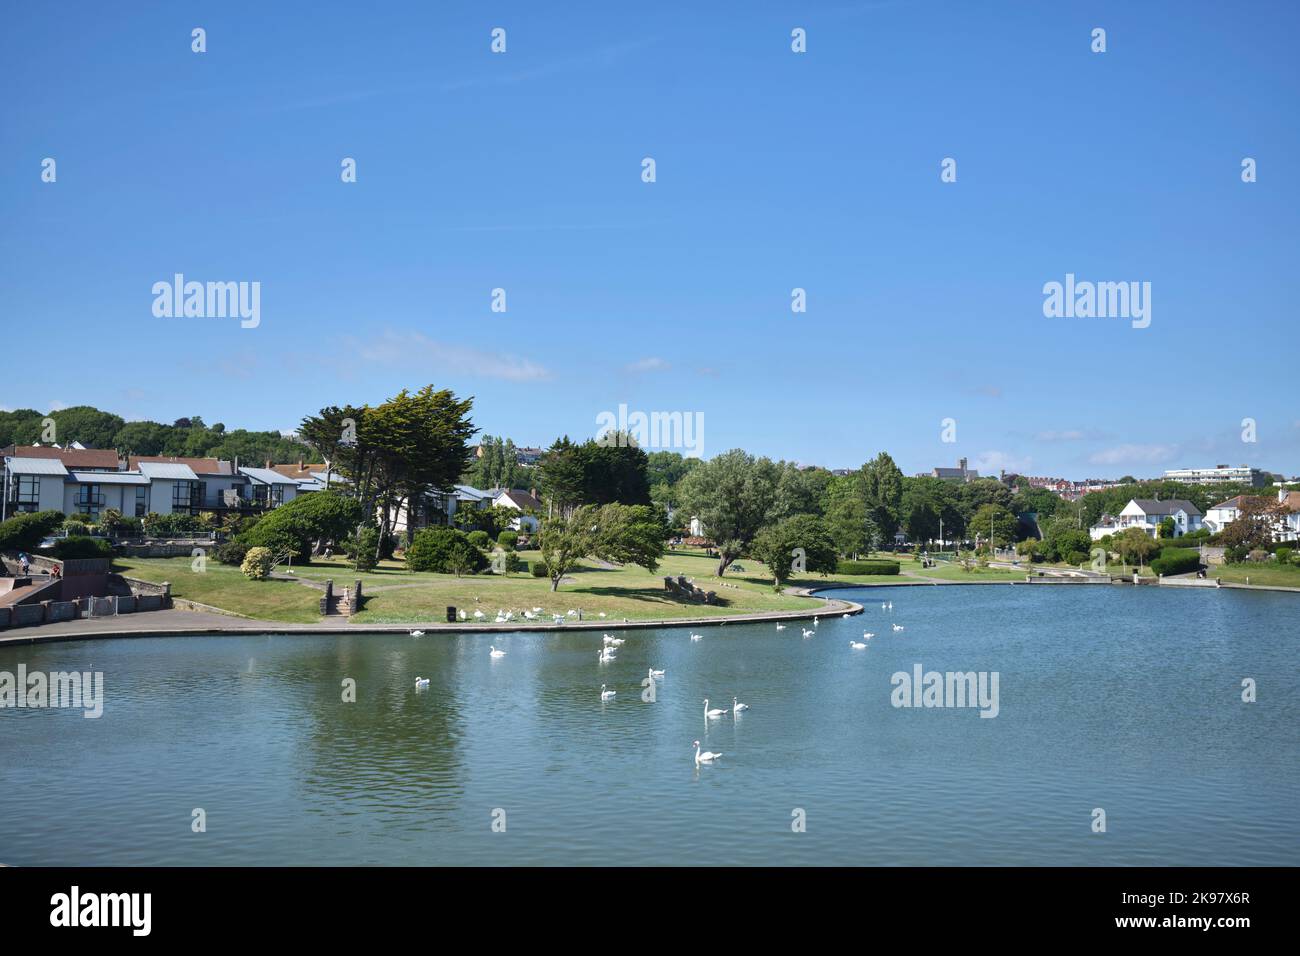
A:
(227, 588)
(1271, 574)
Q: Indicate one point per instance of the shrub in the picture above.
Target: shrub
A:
(24, 532)
(257, 564)
(868, 566)
(511, 562)
(360, 548)
(75, 529)
(172, 525)
(1283, 555)
(509, 540)
(299, 524)
(444, 551)
(1176, 561)
(538, 569)
(479, 539)
(81, 547)
(232, 553)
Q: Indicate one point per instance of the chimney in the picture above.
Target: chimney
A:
(268, 463)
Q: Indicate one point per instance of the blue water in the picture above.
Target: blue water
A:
(1125, 699)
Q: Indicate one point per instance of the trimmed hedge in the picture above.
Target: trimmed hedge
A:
(869, 566)
(1176, 561)
(538, 569)
(80, 546)
(25, 531)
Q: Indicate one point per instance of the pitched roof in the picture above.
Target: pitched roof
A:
(265, 476)
(522, 500)
(71, 457)
(167, 469)
(109, 477)
(200, 466)
(1234, 502)
(35, 466)
(300, 471)
(1167, 507)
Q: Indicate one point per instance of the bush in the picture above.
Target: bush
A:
(299, 524)
(172, 525)
(24, 532)
(232, 553)
(1176, 561)
(360, 548)
(868, 566)
(75, 529)
(257, 564)
(480, 539)
(81, 547)
(444, 551)
(511, 562)
(509, 540)
(1283, 555)
(539, 570)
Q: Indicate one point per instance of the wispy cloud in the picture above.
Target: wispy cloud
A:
(990, 462)
(1069, 434)
(1134, 454)
(649, 364)
(398, 348)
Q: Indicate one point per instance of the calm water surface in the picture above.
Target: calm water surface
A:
(1128, 699)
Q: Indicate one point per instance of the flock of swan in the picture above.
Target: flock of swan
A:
(607, 655)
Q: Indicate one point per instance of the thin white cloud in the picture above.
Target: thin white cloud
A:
(413, 348)
(1133, 454)
(1068, 434)
(648, 364)
(990, 462)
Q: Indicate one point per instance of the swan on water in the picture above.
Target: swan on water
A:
(715, 712)
(421, 683)
(737, 706)
(656, 674)
(780, 627)
(707, 756)
(606, 694)
(696, 637)
(897, 627)
(857, 645)
(493, 652)
(808, 633)
(417, 633)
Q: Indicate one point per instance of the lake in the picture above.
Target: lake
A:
(1123, 699)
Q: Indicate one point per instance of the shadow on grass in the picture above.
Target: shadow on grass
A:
(649, 595)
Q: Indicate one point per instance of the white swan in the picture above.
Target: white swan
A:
(606, 694)
(417, 633)
(891, 605)
(868, 635)
(715, 712)
(421, 683)
(857, 645)
(808, 633)
(613, 641)
(696, 637)
(707, 756)
(463, 615)
(884, 607)
(654, 674)
(606, 656)
(737, 706)
(816, 621)
(493, 652)
(897, 627)
(537, 610)
(780, 627)
(602, 613)
(479, 615)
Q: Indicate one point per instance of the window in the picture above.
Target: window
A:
(183, 497)
(89, 500)
(25, 492)
(141, 500)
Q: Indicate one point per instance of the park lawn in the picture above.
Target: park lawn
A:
(223, 586)
(1269, 573)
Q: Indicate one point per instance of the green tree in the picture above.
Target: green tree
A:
(733, 495)
(800, 544)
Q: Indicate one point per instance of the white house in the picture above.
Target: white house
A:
(1226, 512)
(1147, 514)
(1108, 524)
(528, 506)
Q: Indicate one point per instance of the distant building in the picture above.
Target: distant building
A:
(1226, 512)
(1220, 475)
(960, 473)
(1147, 514)
(527, 504)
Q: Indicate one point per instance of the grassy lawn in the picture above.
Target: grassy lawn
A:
(1272, 574)
(225, 587)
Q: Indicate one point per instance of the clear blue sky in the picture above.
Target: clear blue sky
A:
(775, 170)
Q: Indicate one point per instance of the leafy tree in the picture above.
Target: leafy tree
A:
(995, 522)
(305, 524)
(1134, 545)
(444, 551)
(882, 487)
(24, 532)
(795, 545)
(733, 495)
(1258, 524)
(626, 534)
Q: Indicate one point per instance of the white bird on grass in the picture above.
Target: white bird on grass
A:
(737, 706)
(715, 712)
(493, 652)
(463, 615)
(479, 615)
(707, 756)
(606, 694)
